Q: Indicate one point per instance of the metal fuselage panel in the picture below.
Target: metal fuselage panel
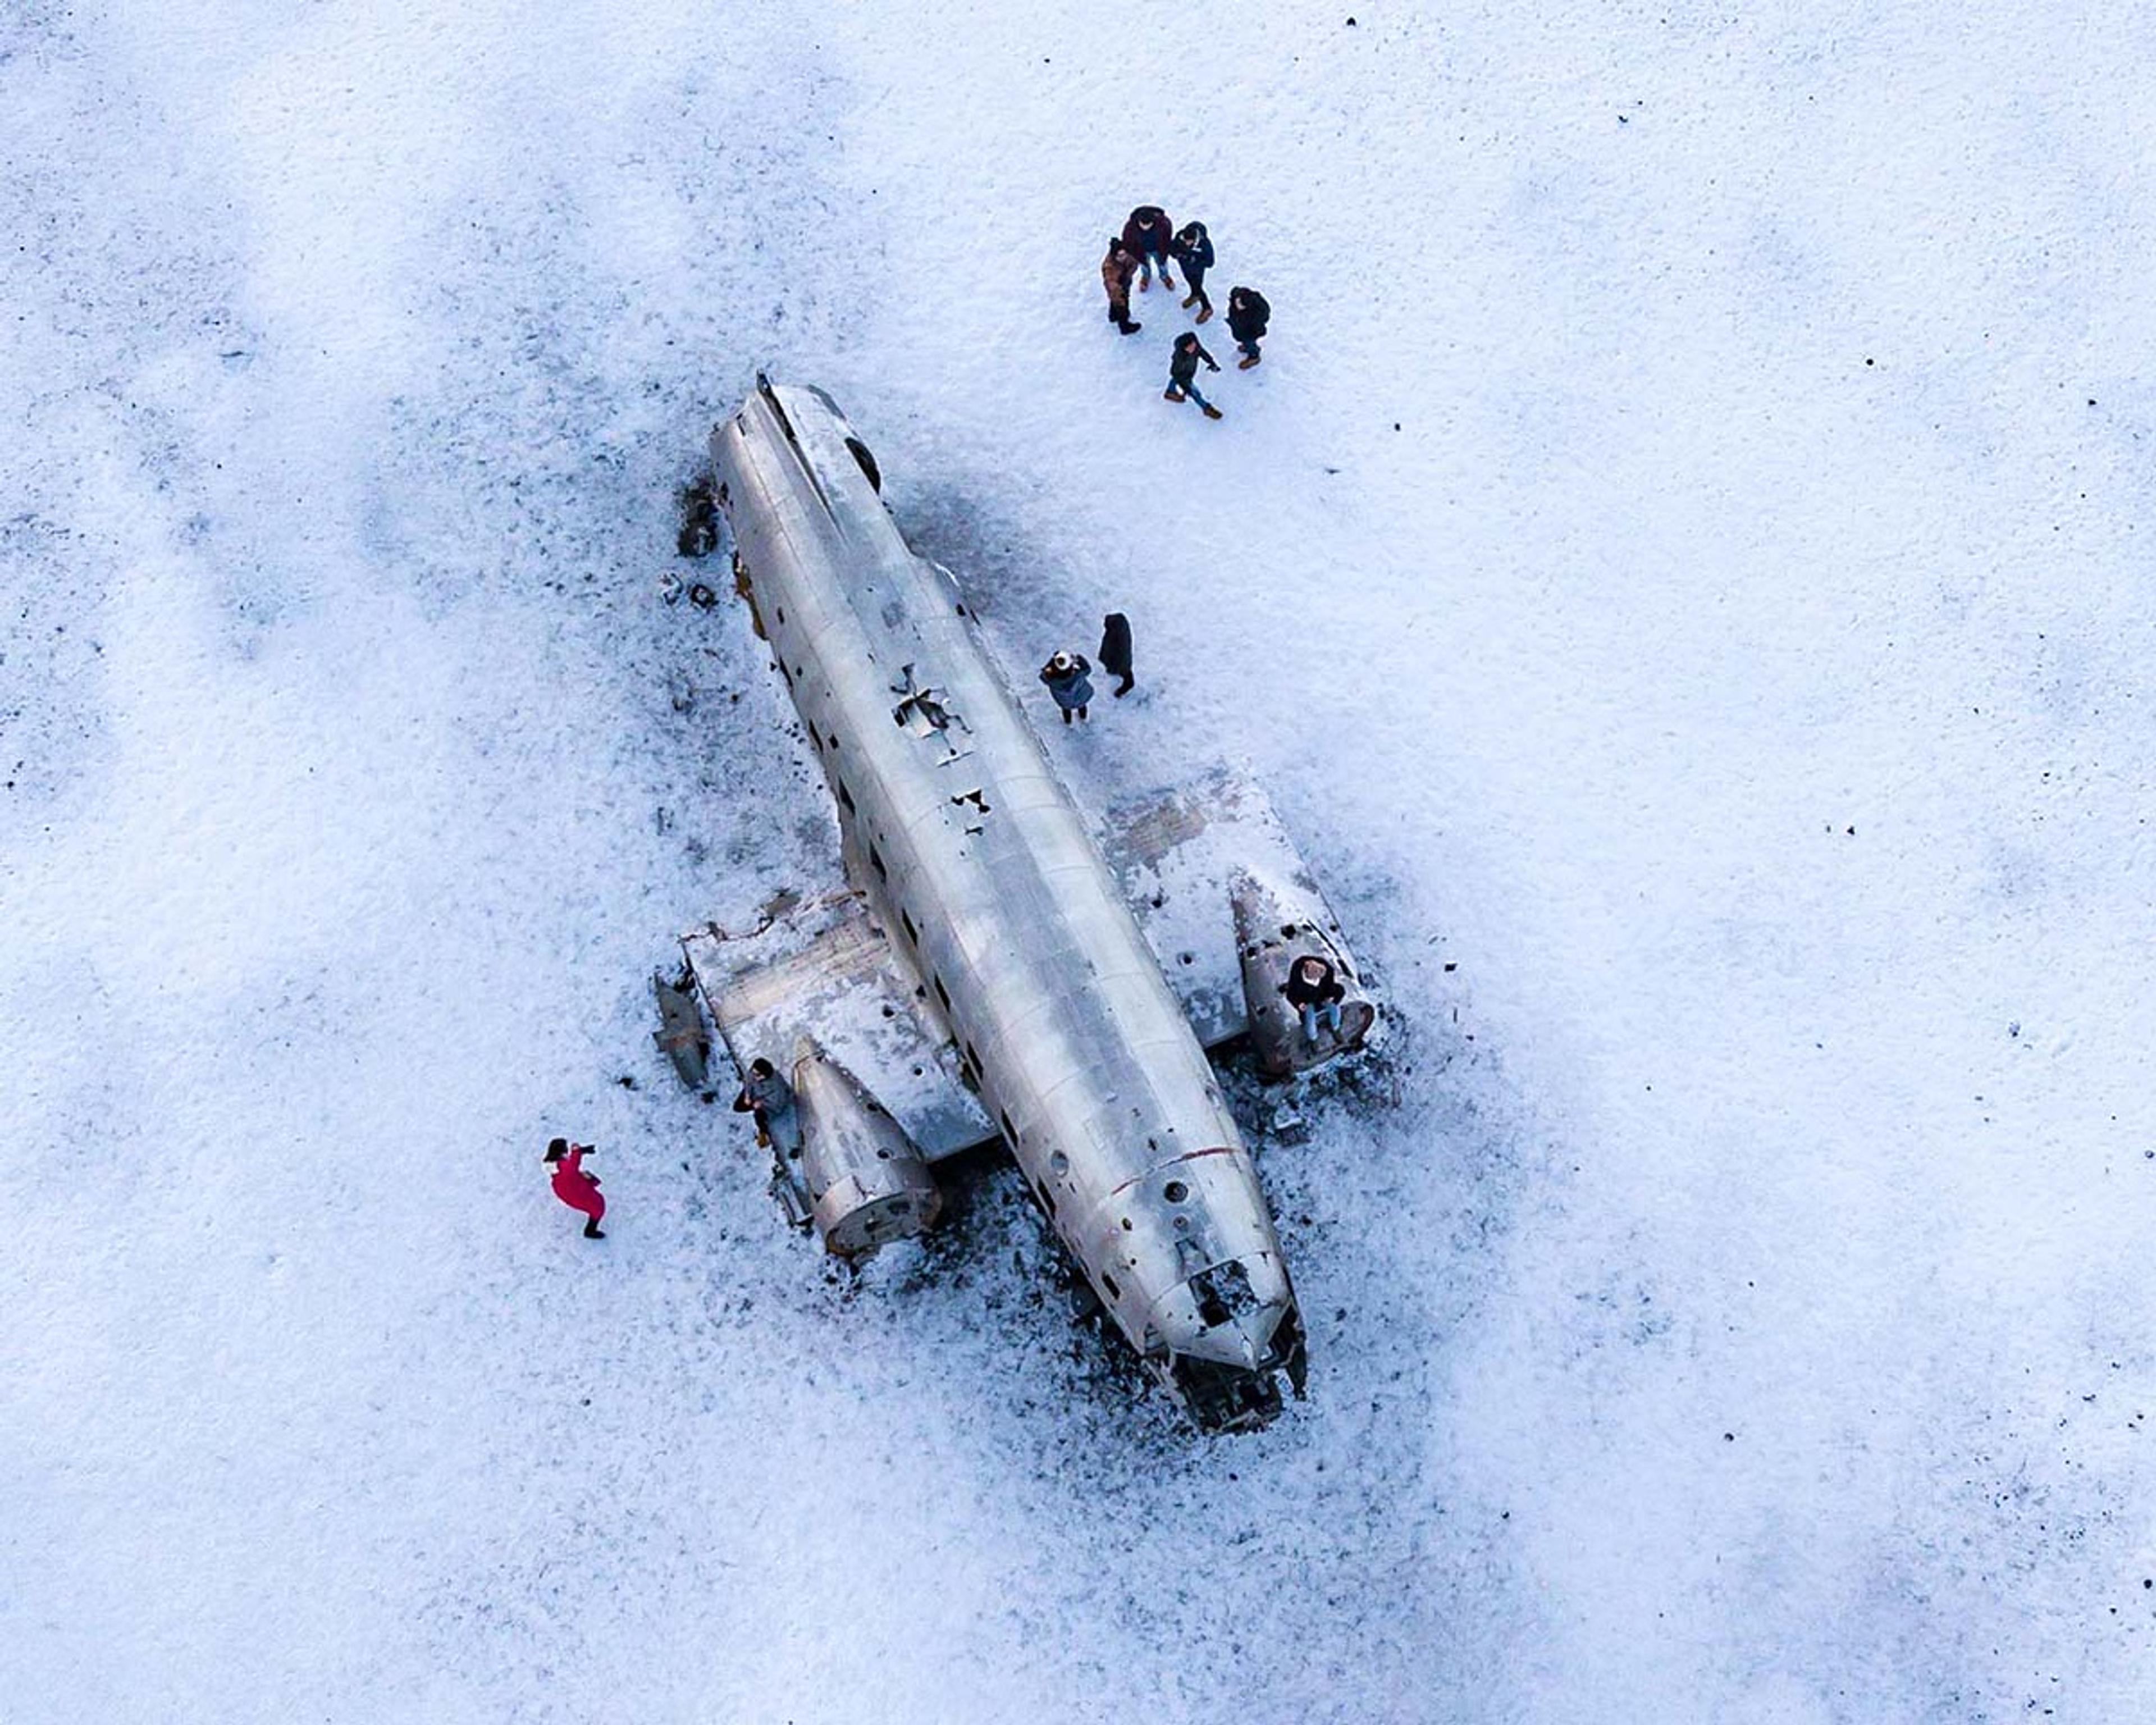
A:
(988, 882)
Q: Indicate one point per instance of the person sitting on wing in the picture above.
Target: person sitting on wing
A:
(764, 1094)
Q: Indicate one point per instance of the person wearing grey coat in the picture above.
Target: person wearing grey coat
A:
(765, 1096)
(1069, 679)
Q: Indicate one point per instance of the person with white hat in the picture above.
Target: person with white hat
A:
(1069, 679)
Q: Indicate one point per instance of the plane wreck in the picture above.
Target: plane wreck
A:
(1000, 968)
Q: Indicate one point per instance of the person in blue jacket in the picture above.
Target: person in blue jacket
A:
(1069, 679)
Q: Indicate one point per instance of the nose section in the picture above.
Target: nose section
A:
(1235, 1323)
(1238, 1330)
(1232, 1314)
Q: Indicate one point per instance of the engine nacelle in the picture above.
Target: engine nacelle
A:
(866, 1181)
(1275, 927)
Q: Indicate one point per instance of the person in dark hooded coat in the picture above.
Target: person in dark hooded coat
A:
(1147, 233)
(1117, 269)
(1192, 248)
(1248, 314)
(1116, 651)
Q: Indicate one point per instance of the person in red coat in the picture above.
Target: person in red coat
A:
(575, 1188)
(1149, 233)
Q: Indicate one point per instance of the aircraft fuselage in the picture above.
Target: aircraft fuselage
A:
(990, 887)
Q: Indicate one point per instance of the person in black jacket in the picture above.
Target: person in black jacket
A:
(1116, 651)
(1248, 314)
(1192, 248)
(1183, 373)
(1314, 990)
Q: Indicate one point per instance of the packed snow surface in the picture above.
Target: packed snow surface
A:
(1682, 566)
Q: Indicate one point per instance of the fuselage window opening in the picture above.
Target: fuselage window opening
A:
(875, 862)
(868, 463)
(1010, 1131)
(845, 798)
(779, 612)
(943, 993)
(1108, 1282)
(834, 736)
(974, 1059)
(906, 922)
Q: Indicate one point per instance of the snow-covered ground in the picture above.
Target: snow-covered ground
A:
(1684, 562)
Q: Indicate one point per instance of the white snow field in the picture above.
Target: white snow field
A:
(1683, 567)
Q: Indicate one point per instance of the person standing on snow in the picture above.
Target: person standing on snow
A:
(575, 1188)
(1192, 248)
(1069, 679)
(1183, 373)
(1117, 269)
(765, 1094)
(1146, 234)
(1248, 314)
(1116, 651)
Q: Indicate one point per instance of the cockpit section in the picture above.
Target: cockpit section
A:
(1222, 1336)
(1222, 1396)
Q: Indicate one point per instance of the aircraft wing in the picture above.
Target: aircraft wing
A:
(823, 969)
(1182, 854)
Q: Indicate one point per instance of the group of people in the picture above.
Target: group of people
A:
(1149, 245)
